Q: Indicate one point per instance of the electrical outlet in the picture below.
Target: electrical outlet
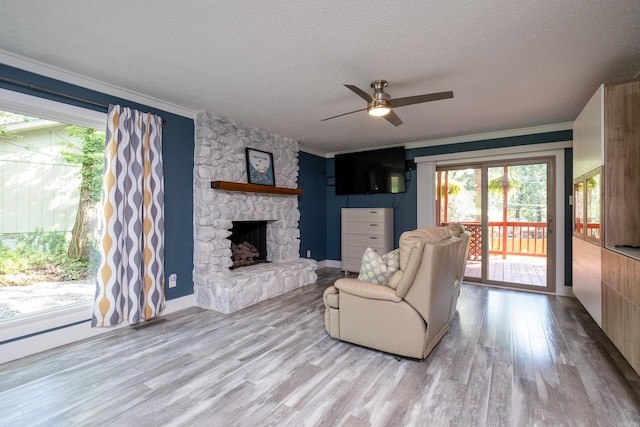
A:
(172, 280)
(309, 253)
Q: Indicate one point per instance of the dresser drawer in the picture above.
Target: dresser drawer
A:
(362, 240)
(358, 251)
(358, 214)
(368, 228)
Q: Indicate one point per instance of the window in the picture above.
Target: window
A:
(45, 190)
(586, 206)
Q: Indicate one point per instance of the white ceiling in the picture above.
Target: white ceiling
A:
(280, 65)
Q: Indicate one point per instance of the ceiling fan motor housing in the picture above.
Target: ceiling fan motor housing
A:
(379, 97)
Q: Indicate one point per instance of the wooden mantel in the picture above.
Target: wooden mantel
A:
(254, 188)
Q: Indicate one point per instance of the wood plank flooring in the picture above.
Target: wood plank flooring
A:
(510, 359)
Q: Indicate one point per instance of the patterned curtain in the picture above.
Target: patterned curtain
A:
(130, 281)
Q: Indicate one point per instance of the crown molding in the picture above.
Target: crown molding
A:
(66, 76)
(491, 135)
(494, 153)
(471, 138)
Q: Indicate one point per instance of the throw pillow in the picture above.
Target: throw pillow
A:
(377, 269)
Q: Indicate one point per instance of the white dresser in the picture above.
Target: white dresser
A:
(364, 228)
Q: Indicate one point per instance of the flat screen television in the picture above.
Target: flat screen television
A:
(370, 172)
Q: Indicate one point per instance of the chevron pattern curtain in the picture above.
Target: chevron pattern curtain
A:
(130, 280)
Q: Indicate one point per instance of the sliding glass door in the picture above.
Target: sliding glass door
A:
(507, 207)
(460, 200)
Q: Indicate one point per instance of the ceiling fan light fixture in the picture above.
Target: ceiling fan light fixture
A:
(378, 109)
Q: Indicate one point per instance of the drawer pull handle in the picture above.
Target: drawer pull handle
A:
(373, 212)
(373, 238)
(373, 225)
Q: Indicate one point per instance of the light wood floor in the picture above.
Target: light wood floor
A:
(510, 359)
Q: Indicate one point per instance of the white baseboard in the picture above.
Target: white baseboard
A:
(23, 337)
(179, 304)
(329, 263)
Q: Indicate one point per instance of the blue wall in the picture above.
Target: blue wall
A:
(312, 204)
(177, 149)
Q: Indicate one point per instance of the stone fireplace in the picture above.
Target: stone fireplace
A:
(220, 156)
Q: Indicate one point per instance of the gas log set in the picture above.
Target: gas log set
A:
(244, 254)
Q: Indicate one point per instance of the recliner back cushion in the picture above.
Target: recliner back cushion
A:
(409, 273)
(426, 234)
(395, 280)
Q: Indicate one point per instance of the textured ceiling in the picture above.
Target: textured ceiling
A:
(280, 65)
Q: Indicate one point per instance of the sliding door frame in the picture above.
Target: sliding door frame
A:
(426, 189)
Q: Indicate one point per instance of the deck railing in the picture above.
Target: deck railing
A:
(509, 238)
(593, 228)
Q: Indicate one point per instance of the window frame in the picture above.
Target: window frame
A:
(27, 325)
(582, 179)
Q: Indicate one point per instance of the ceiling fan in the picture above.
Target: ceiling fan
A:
(379, 104)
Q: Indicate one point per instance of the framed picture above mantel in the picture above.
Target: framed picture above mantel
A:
(260, 167)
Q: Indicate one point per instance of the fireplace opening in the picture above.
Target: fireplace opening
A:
(248, 243)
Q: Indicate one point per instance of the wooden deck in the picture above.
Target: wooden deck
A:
(524, 270)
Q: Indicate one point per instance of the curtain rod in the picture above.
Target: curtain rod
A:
(53, 92)
(57, 93)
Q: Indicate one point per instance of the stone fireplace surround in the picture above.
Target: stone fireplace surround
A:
(220, 156)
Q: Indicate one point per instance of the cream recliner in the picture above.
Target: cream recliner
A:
(410, 314)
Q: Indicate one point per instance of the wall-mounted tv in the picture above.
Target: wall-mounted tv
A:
(370, 172)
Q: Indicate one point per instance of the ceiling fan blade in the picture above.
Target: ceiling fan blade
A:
(343, 114)
(362, 94)
(393, 118)
(410, 100)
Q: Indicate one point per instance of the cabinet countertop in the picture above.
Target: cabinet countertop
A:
(630, 252)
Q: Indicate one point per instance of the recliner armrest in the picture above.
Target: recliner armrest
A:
(330, 297)
(366, 290)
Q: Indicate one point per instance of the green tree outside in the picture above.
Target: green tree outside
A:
(90, 156)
